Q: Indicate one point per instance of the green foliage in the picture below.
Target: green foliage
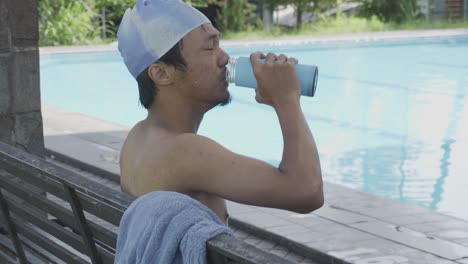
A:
(344, 25)
(390, 11)
(201, 3)
(409, 10)
(238, 15)
(272, 4)
(301, 6)
(72, 22)
(324, 26)
(114, 10)
(66, 22)
(420, 24)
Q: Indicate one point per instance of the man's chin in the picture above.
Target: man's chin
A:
(226, 101)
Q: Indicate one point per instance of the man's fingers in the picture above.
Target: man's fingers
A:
(292, 60)
(270, 58)
(258, 55)
(255, 58)
(281, 58)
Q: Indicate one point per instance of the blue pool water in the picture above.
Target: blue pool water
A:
(390, 118)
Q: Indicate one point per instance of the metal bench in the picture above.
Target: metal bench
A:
(53, 215)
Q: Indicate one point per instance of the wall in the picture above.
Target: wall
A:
(20, 104)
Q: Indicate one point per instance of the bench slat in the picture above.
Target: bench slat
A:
(32, 256)
(31, 163)
(82, 223)
(68, 237)
(34, 250)
(6, 247)
(13, 232)
(242, 252)
(64, 215)
(6, 259)
(91, 205)
(47, 244)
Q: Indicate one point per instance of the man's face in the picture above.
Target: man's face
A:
(205, 76)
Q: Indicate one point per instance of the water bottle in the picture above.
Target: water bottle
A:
(240, 72)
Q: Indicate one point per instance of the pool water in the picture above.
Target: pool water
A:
(389, 117)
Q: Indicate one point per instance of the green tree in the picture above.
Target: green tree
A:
(202, 3)
(66, 22)
(390, 11)
(319, 6)
(238, 15)
(273, 4)
(110, 14)
(301, 6)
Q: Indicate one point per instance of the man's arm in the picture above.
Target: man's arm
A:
(296, 185)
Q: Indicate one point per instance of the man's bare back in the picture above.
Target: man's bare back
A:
(146, 164)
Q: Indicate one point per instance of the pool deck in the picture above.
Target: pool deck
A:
(352, 226)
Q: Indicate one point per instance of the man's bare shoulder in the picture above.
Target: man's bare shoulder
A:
(140, 162)
(150, 159)
(186, 149)
(158, 149)
(193, 140)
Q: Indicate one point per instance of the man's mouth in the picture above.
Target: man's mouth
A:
(224, 74)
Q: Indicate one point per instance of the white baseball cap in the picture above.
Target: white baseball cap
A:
(151, 28)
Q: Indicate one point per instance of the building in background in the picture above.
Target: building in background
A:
(431, 9)
(444, 9)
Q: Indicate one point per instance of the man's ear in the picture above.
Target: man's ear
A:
(161, 74)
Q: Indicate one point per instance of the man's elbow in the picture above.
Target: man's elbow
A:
(311, 206)
(312, 201)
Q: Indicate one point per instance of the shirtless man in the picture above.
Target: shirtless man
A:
(164, 152)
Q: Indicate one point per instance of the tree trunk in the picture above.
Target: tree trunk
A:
(267, 15)
(299, 17)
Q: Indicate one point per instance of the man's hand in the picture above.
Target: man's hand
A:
(277, 81)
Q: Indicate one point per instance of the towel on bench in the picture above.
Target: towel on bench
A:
(166, 227)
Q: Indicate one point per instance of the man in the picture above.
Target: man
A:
(173, 52)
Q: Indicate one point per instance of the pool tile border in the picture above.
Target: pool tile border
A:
(336, 38)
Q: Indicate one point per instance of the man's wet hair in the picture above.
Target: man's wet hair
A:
(147, 87)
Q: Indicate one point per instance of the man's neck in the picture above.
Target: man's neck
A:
(176, 117)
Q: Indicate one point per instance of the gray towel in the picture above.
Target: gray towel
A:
(166, 227)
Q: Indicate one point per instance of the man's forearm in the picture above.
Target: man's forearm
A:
(300, 157)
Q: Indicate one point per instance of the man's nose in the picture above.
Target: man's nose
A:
(223, 58)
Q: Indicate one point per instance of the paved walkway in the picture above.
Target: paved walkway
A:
(352, 226)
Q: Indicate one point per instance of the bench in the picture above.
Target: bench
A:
(53, 215)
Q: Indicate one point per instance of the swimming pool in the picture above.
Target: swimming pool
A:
(390, 117)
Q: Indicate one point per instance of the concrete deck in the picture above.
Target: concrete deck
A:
(352, 226)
